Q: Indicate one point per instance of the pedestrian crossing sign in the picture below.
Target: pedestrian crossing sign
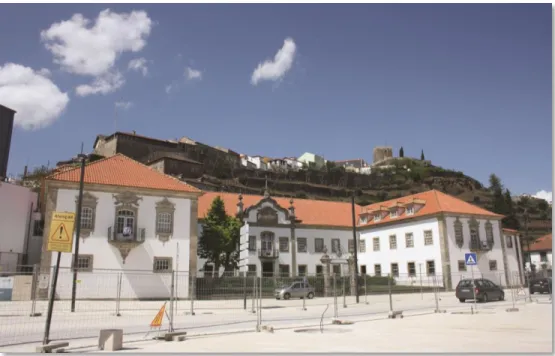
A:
(470, 259)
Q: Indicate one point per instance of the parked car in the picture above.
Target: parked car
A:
(295, 290)
(484, 290)
(540, 285)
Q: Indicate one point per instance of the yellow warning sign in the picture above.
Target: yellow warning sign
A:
(157, 321)
(61, 232)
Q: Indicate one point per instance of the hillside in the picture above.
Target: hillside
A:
(400, 177)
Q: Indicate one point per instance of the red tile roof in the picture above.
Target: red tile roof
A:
(510, 231)
(310, 212)
(338, 214)
(544, 243)
(434, 202)
(120, 170)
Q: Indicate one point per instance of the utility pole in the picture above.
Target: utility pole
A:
(82, 157)
(355, 244)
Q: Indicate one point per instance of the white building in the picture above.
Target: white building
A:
(424, 235)
(311, 158)
(258, 162)
(20, 227)
(540, 253)
(136, 222)
(428, 234)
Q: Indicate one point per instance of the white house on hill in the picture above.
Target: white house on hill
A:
(135, 222)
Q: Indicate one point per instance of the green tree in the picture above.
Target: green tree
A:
(510, 220)
(498, 199)
(401, 152)
(220, 237)
(422, 156)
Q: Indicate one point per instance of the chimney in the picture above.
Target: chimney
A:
(25, 172)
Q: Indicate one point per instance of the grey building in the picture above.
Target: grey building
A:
(6, 129)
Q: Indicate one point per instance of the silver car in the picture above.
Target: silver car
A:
(295, 290)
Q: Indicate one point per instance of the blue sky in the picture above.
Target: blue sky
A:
(470, 84)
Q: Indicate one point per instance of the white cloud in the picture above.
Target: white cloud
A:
(138, 64)
(169, 88)
(124, 105)
(37, 100)
(83, 49)
(45, 72)
(542, 194)
(275, 69)
(105, 84)
(193, 74)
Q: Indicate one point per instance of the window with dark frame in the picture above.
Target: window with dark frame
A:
(376, 243)
(284, 244)
(84, 263)
(392, 242)
(251, 270)
(284, 270)
(411, 268)
(318, 245)
(319, 269)
(428, 238)
(362, 246)
(335, 245)
(337, 270)
(164, 223)
(378, 270)
(302, 270)
(509, 240)
(252, 243)
(395, 269)
(409, 240)
(301, 245)
(363, 269)
(493, 265)
(162, 264)
(351, 246)
(430, 268)
(87, 215)
(462, 266)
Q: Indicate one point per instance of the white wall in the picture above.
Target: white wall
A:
(16, 203)
(482, 268)
(418, 254)
(137, 278)
(512, 259)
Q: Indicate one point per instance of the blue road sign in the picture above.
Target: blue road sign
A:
(470, 259)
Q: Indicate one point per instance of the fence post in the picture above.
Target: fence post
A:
(118, 294)
(365, 290)
(389, 291)
(193, 291)
(259, 313)
(335, 311)
(253, 296)
(34, 285)
(172, 293)
(245, 290)
(344, 294)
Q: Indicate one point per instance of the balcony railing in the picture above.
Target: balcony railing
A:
(268, 253)
(133, 237)
(480, 245)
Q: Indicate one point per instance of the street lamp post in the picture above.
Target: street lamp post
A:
(82, 157)
(355, 245)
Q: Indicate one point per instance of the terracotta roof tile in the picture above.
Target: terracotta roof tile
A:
(120, 170)
(510, 231)
(310, 212)
(434, 202)
(544, 243)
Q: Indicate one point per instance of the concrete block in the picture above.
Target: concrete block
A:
(47, 349)
(510, 310)
(175, 336)
(110, 339)
(394, 314)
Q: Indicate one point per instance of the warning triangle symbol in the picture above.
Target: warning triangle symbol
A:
(470, 259)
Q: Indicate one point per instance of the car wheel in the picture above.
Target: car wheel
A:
(286, 296)
(485, 298)
(462, 300)
(502, 296)
(310, 295)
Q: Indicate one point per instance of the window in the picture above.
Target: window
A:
(362, 246)
(428, 238)
(351, 246)
(409, 240)
(411, 268)
(252, 243)
(335, 245)
(302, 270)
(376, 243)
(493, 265)
(410, 210)
(283, 244)
(377, 270)
(363, 220)
(337, 270)
(319, 269)
(393, 213)
(125, 223)
(319, 245)
(543, 256)
(162, 264)
(377, 217)
(395, 270)
(363, 270)
(164, 223)
(301, 244)
(84, 263)
(284, 270)
(459, 239)
(489, 232)
(38, 228)
(392, 242)
(474, 237)
(509, 240)
(251, 270)
(462, 266)
(430, 268)
(87, 218)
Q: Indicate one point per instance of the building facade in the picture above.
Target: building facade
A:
(20, 228)
(540, 254)
(136, 224)
(6, 129)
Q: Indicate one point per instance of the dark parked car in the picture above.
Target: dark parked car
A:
(540, 285)
(484, 290)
